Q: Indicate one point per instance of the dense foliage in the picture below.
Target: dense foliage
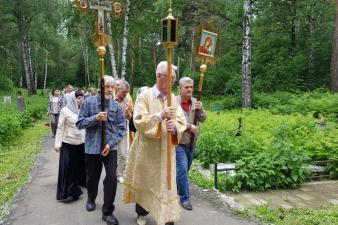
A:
(319, 101)
(291, 42)
(271, 147)
(12, 122)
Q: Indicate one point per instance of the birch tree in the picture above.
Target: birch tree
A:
(25, 11)
(125, 42)
(46, 71)
(246, 58)
(85, 52)
(111, 48)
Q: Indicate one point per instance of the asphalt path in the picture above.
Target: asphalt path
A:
(36, 204)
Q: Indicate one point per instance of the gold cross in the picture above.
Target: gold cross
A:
(100, 6)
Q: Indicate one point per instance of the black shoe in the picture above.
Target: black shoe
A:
(110, 219)
(90, 206)
(170, 223)
(74, 198)
(186, 205)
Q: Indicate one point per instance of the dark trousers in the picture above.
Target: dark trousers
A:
(54, 122)
(94, 169)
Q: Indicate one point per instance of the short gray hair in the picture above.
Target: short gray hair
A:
(162, 68)
(185, 80)
(107, 79)
(122, 84)
(141, 89)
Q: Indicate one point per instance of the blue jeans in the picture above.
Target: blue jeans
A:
(183, 162)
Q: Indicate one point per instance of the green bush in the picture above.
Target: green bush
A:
(9, 129)
(6, 84)
(270, 170)
(284, 102)
(269, 150)
(12, 122)
(25, 119)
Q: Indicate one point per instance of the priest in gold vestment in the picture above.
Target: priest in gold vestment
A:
(146, 172)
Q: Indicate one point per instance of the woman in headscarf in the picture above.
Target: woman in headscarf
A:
(69, 142)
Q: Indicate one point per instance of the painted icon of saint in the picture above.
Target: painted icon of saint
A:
(207, 47)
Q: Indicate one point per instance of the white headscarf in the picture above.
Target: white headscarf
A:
(72, 103)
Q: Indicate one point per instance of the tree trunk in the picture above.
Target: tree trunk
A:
(334, 56)
(118, 49)
(125, 42)
(46, 71)
(29, 57)
(20, 81)
(27, 62)
(111, 49)
(132, 74)
(20, 68)
(293, 26)
(154, 56)
(139, 55)
(36, 68)
(311, 20)
(85, 55)
(246, 61)
(87, 67)
(192, 64)
(178, 68)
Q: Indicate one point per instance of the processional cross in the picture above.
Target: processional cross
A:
(101, 39)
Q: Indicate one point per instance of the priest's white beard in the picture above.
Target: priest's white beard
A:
(108, 97)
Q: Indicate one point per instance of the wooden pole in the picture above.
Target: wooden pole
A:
(203, 69)
(169, 81)
(101, 52)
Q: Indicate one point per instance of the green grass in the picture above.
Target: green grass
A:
(198, 179)
(322, 216)
(325, 215)
(16, 163)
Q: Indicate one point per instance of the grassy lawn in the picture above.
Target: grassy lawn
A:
(326, 215)
(16, 163)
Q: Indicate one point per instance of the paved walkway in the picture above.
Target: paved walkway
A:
(36, 203)
(308, 195)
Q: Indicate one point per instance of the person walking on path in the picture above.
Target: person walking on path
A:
(67, 92)
(122, 90)
(69, 141)
(90, 118)
(146, 173)
(55, 104)
(185, 150)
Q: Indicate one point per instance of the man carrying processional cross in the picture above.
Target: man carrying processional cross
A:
(104, 122)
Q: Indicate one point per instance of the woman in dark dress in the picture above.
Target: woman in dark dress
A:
(69, 141)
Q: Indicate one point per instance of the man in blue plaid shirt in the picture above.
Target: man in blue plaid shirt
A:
(90, 118)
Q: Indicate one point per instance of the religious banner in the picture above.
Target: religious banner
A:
(206, 39)
(208, 42)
